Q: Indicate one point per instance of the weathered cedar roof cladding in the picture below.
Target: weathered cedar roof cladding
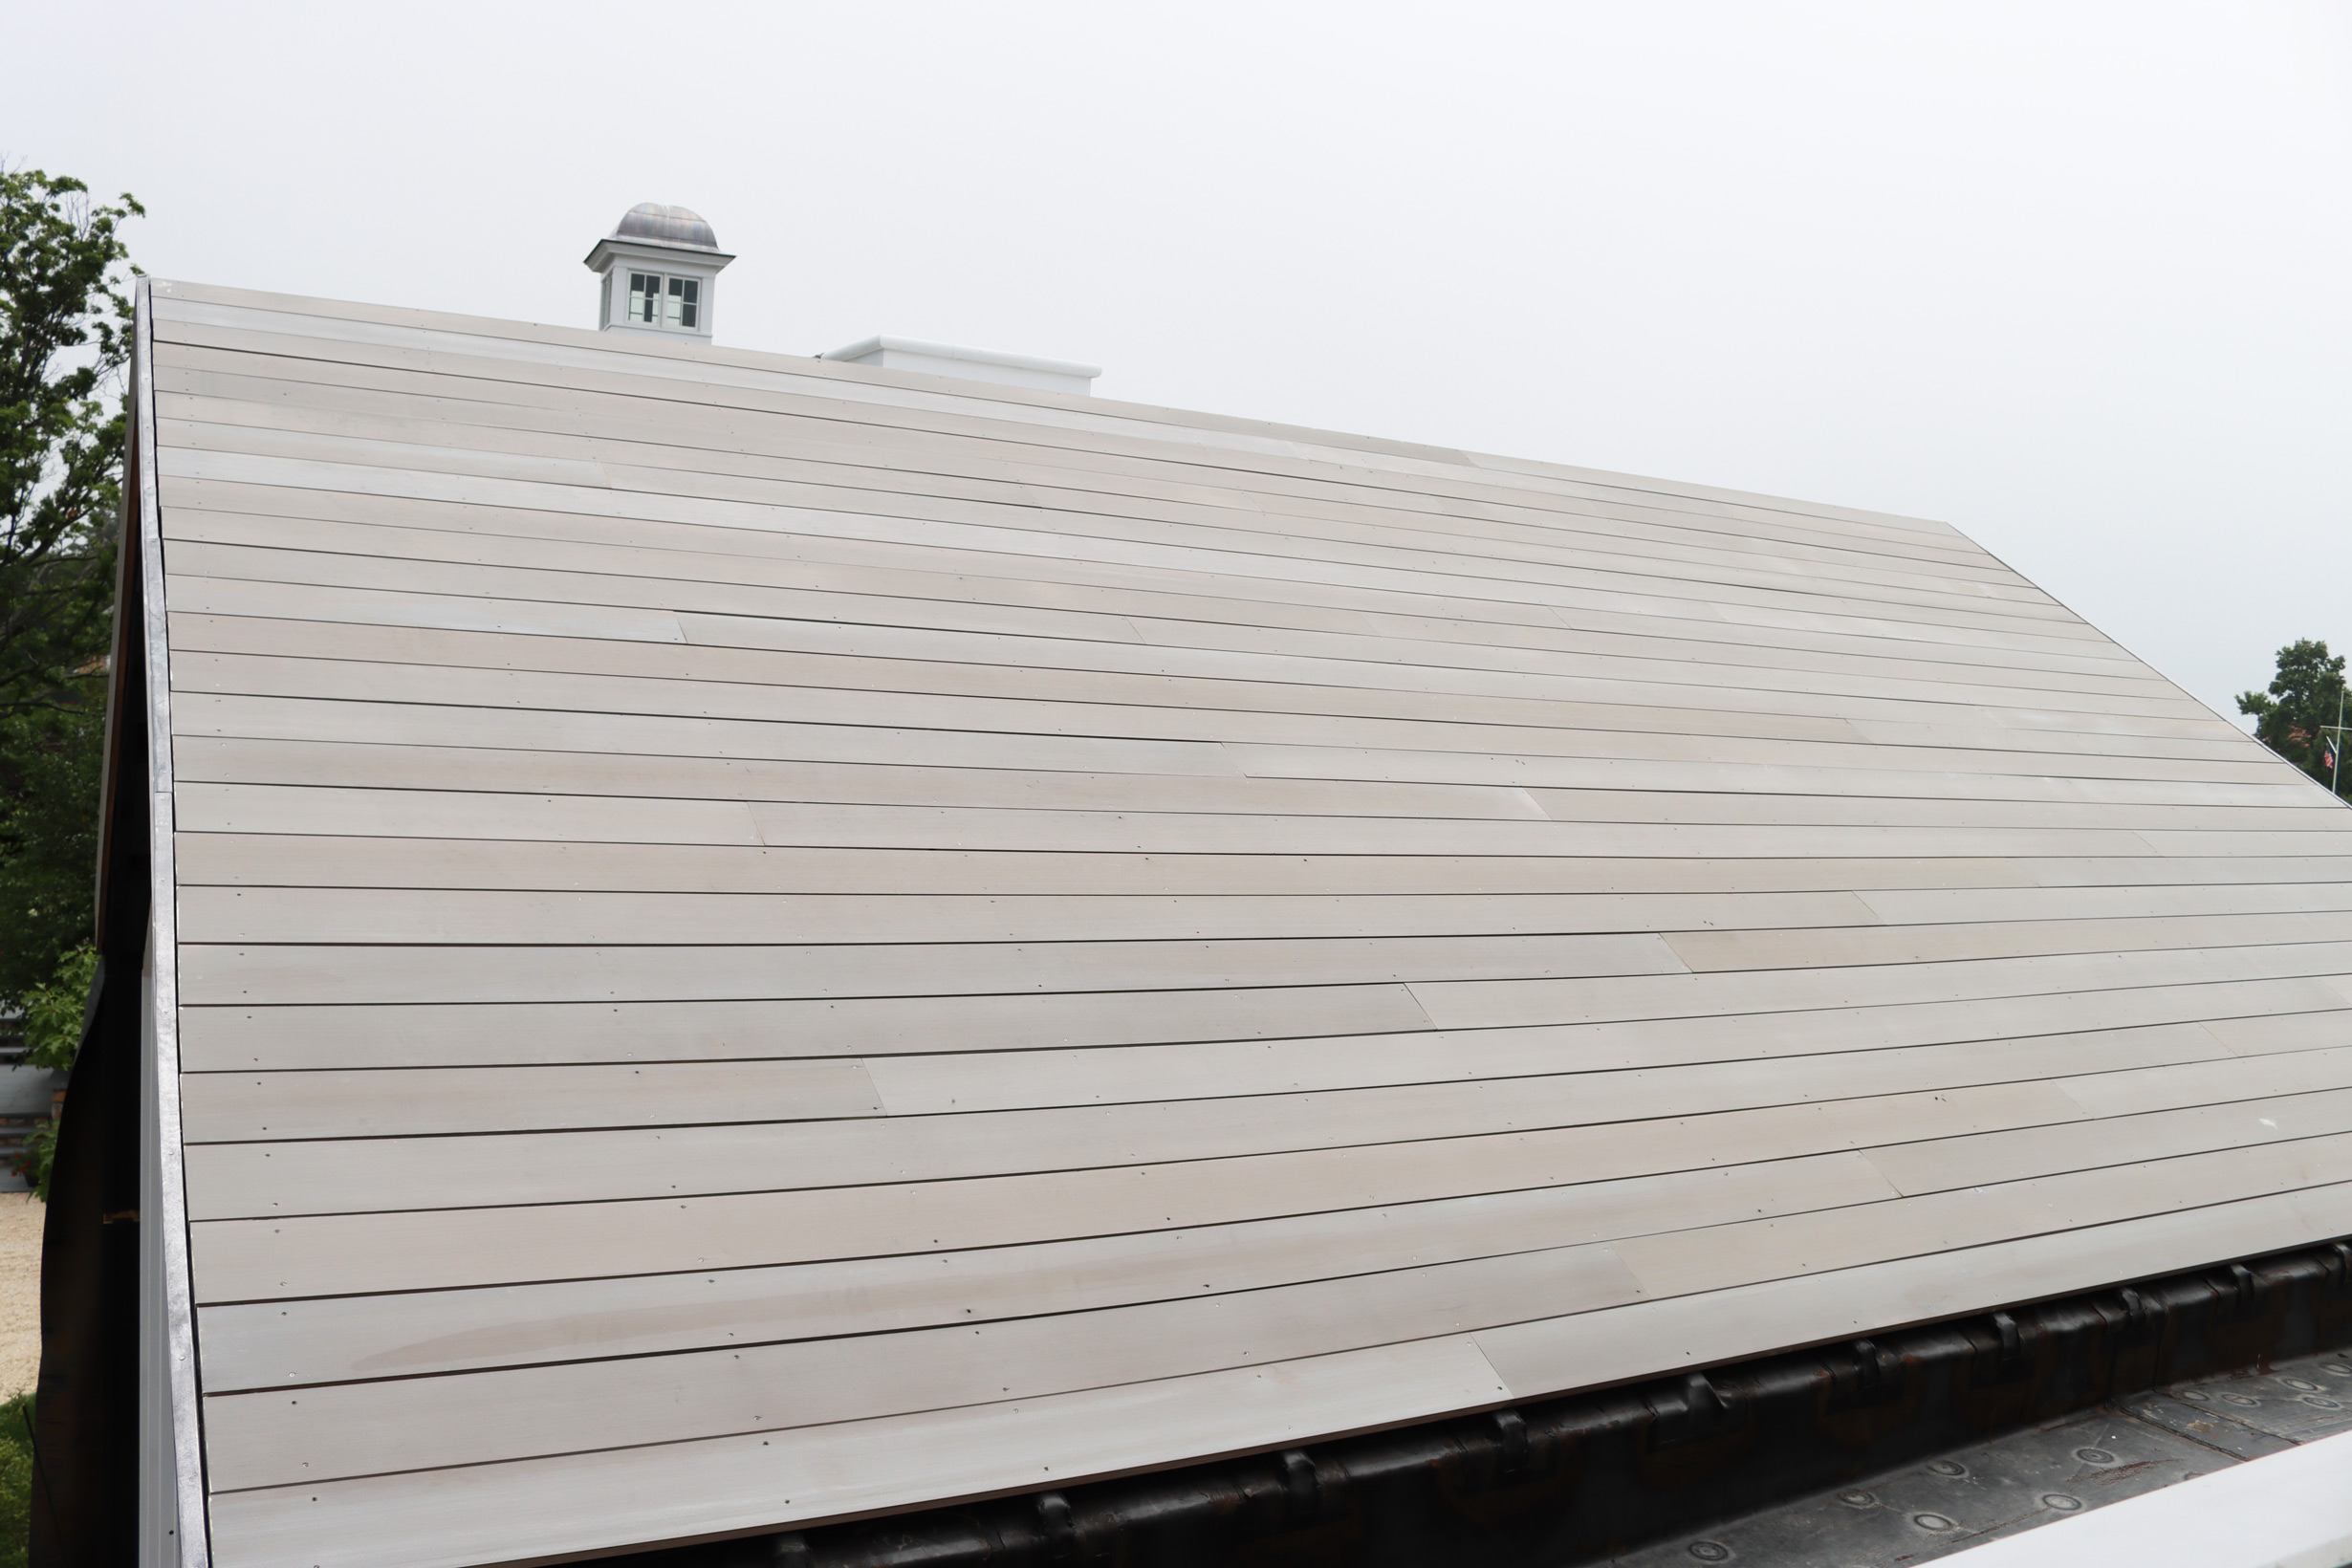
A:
(765, 941)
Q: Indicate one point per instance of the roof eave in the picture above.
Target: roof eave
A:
(613, 248)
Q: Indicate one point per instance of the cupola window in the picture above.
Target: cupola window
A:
(658, 301)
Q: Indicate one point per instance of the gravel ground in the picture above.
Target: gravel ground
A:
(20, 1290)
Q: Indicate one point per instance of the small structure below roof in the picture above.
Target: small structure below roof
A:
(657, 272)
(978, 364)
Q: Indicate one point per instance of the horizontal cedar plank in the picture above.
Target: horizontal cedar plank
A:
(1746, 655)
(947, 779)
(827, 451)
(1553, 554)
(883, 399)
(309, 394)
(269, 1438)
(783, 823)
(899, 404)
(390, 1102)
(1710, 931)
(671, 1491)
(317, 720)
(785, 448)
(367, 1167)
(264, 647)
(345, 1152)
(855, 405)
(2289, 812)
(1967, 1038)
(2250, 841)
(2255, 1033)
(438, 1249)
(827, 730)
(715, 684)
(2162, 1023)
(2159, 1130)
(1793, 715)
(440, 1032)
(265, 860)
(454, 813)
(1027, 532)
(1565, 1353)
(383, 915)
(310, 530)
(202, 583)
(1901, 906)
(1724, 1256)
(1333, 1037)
(1886, 771)
(247, 807)
(897, 459)
(1612, 699)
(2156, 1087)
(1515, 979)
(1551, 541)
(484, 633)
(227, 1106)
(341, 1338)
(2025, 730)
(588, 1503)
(740, 503)
(306, 586)
(381, 578)
(326, 719)
(1485, 1004)
(751, 505)
(261, 974)
(2203, 871)
(1230, 447)
(1762, 949)
(941, 776)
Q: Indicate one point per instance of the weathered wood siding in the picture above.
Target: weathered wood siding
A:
(764, 940)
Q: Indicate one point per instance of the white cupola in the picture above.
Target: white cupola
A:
(656, 273)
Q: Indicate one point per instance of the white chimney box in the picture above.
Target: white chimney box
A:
(972, 364)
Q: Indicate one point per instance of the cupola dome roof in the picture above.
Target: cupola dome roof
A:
(661, 225)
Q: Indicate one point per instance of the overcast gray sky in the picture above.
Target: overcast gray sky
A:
(2071, 276)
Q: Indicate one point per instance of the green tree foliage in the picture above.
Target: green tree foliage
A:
(54, 1012)
(65, 319)
(52, 1021)
(50, 765)
(16, 1479)
(64, 335)
(2304, 695)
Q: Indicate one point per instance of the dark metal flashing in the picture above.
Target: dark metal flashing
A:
(1590, 1476)
(84, 1503)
